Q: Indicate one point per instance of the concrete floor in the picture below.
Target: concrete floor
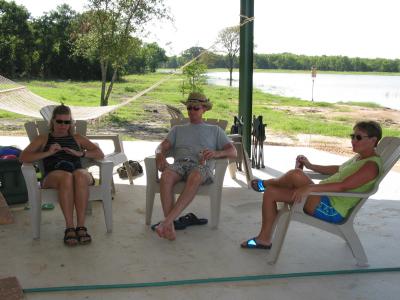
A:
(135, 254)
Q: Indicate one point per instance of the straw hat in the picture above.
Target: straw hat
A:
(196, 98)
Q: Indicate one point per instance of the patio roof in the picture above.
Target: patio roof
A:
(135, 254)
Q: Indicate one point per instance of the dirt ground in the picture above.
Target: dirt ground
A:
(155, 126)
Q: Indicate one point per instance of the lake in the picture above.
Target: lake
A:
(383, 90)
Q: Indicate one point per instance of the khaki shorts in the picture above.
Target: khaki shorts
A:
(184, 168)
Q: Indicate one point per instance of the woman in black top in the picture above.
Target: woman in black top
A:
(61, 151)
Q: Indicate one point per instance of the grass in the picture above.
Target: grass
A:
(280, 113)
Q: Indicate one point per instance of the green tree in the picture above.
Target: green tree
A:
(154, 56)
(106, 30)
(195, 78)
(229, 39)
(16, 39)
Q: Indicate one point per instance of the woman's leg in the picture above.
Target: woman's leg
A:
(82, 180)
(278, 190)
(63, 182)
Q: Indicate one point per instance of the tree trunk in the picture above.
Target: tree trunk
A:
(103, 66)
(230, 76)
(110, 86)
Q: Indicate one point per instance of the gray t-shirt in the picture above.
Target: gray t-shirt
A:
(190, 139)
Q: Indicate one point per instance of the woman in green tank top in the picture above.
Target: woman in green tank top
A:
(358, 174)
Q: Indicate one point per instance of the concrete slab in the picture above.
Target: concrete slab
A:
(134, 254)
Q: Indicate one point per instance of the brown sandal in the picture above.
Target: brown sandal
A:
(83, 237)
(69, 238)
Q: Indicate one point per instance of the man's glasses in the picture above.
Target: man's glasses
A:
(195, 108)
(358, 137)
(66, 122)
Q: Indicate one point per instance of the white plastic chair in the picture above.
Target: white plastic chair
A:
(389, 150)
(242, 156)
(117, 156)
(36, 194)
(213, 190)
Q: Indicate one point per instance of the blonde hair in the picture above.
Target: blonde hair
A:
(62, 110)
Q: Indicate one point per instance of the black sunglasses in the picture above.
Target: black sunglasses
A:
(196, 108)
(358, 137)
(66, 122)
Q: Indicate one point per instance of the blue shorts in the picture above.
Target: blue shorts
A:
(326, 212)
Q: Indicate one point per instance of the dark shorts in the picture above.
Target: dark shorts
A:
(326, 212)
(184, 168)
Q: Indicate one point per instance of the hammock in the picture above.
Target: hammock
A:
(18, 99)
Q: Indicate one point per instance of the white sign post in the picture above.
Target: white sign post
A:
(313, 75)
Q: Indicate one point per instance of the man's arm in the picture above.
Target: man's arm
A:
(161, 152)
(228, 151)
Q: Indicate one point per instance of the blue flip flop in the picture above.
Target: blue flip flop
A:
(258, 185)
(252, 244)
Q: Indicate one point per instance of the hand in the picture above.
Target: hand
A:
(161, 162)
(54, 148)
(300, 193)
(209, 154)
(303, 160)
(72, 151)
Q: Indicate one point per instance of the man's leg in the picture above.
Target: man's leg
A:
(167, 182)
(193, 182)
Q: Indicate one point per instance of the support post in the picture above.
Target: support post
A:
(246, 70)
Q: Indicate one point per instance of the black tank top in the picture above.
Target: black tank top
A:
(49, 163)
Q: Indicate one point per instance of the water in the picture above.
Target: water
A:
(383, 90)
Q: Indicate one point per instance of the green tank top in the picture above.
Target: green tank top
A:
(344, 204)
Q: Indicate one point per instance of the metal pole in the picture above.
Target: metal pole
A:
(246, 71)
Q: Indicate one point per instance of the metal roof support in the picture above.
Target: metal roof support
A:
(246, 70)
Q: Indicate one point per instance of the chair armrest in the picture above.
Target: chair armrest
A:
(220, 168)
(118, 147)
(29, 173)
(316, 175)
(151, 168)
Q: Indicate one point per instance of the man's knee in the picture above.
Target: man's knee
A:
(195, 178)
(168, 177)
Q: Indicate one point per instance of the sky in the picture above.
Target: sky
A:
(355, 28)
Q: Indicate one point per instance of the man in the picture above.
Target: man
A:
(194, 146)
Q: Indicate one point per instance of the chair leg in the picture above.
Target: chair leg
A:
(232, 169)
(355, 245)
(150, 194)
(107, 207)
(215, 205)
(36, 216)
(282, 225)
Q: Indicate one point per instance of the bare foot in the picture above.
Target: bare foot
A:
(160, 229)
(170, 232)
(166, 231)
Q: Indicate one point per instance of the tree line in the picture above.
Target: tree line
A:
(59, 44)
(289, 61)
(52, 46)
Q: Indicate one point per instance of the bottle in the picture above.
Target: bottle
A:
(299, 164)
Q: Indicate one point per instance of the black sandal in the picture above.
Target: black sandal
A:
(70, 240)
(83, 237)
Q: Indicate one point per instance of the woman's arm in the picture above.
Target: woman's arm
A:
(365, 174)
(34, 151)
(328, 170)
(89, 149)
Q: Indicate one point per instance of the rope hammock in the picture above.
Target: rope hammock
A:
(18, 99)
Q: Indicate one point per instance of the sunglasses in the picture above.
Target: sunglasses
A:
(195, 108)
(358, 137)
(66, 122)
